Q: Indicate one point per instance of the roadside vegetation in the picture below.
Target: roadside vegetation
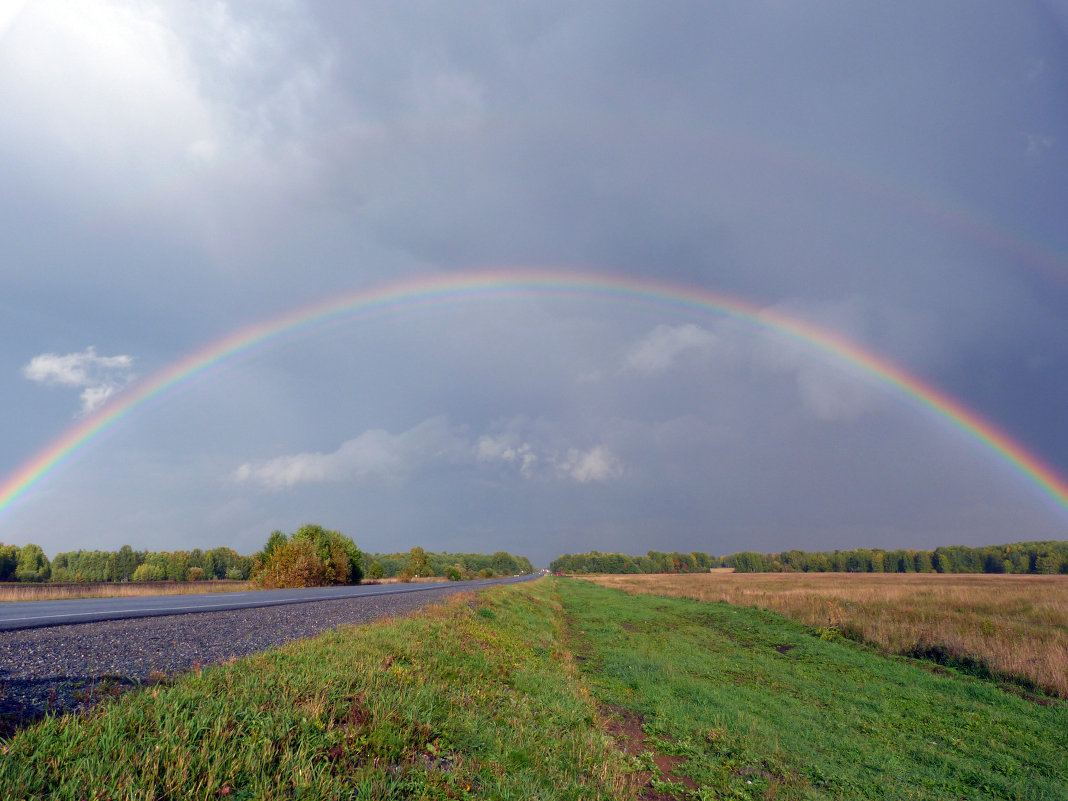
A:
(61, 592)
(473, 698)
(312, 556)
(1013, 627)
(560, 689)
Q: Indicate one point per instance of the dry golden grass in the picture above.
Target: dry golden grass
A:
(59, 592)
(1016, 626)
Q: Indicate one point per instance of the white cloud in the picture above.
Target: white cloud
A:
(99, 377)
(103, 85)
(9, 14)
(373, 455)
(161, 108)
(596, 464)
(541, 451)
(829, 394)
(828, 389)
(504, 448)
(1038, 143)
(662, 347)
(377, 455)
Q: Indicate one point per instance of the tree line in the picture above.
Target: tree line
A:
(310, 556)
(1044, 557)
(652, 562)
(29, 563)
(454, 566)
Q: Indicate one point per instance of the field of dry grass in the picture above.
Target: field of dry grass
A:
(11, 591)
(1014, 625)
(58, 592)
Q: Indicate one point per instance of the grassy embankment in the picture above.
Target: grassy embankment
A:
(509, 694)
(1009, 626)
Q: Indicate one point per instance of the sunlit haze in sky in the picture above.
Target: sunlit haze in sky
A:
(173, 172)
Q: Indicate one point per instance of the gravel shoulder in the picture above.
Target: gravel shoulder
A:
(71, 668)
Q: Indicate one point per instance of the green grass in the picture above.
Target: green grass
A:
(504, 696)
(472, 699)
(763, 708)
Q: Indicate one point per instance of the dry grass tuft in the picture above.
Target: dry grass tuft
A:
(1015, 626)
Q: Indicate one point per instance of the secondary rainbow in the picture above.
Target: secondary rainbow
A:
(482, 286)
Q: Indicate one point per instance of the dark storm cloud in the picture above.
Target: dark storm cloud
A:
(892, 173)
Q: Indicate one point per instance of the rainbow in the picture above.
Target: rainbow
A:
(475, 286)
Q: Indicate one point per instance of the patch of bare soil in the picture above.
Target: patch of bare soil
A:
(625, 726)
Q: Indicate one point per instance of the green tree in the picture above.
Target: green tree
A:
(505, 564)
(177, 566)
(858, 561)
(293, 564)
(702, 560)
(1048, 563)
(149, 572)
(125, 563)
(343, 560)
(275, 539)
(417, 562)
(943, 561)
(818, 563)
(313, 556)
(32, 564)
(61, 569)
(748, 562)
(9, 560)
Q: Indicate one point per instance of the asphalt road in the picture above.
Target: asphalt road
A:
(37, 614)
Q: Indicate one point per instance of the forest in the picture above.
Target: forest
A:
(453, 566)
(1044, 557)
(652, 562)
(29, 563)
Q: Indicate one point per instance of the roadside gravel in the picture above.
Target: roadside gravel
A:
(71, 668)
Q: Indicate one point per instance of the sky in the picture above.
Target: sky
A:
(173, 173)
